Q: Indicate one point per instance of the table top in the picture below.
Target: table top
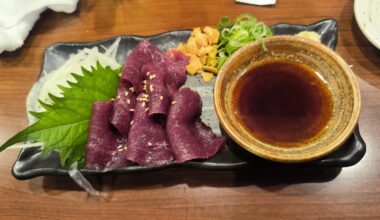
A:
(346, 193)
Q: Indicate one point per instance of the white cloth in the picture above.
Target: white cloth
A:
(17, 18)
(258, 2)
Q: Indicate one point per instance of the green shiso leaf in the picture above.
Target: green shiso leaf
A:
(63, 126)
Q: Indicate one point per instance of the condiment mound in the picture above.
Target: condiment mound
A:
(30, 164)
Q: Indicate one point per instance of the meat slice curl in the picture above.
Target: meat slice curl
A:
(189, 137)
(147, 141)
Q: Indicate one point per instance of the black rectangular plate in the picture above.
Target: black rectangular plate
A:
(30, 163)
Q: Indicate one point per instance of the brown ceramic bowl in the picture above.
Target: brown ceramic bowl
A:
(337, 75)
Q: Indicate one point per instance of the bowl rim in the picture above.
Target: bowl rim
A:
(288, 158)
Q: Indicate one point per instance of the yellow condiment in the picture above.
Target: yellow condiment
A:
(202, 47)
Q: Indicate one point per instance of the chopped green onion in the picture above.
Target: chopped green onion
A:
(236, 34)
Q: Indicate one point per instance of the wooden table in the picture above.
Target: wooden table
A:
(347, 193)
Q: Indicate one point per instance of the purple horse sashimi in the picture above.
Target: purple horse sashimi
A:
(131, 83)
(122, 114)
(159, 96)
(176, 70)
(168, 73)
(104, 148)
(188, 136)
(163, 80)
(147, 140)
(144, 52)
(101, 141)
(127, 130)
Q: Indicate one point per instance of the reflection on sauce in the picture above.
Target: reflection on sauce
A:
(282, 102)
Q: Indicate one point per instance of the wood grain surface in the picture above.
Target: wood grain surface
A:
(348, 193)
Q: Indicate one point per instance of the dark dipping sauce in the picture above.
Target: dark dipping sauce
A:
(282, 102)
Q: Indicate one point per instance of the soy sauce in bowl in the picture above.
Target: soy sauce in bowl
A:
(282, 102)
(293, 101)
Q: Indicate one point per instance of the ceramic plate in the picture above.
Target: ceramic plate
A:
(367, 14)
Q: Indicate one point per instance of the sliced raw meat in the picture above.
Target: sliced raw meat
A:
(105, 149)
(119, 156)
(144, 52)
(176, 68)
(163, 80)
(154, 77)
(188, 136)
(101, 142)
(147, 140)
(122, 115)
(158, 93)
